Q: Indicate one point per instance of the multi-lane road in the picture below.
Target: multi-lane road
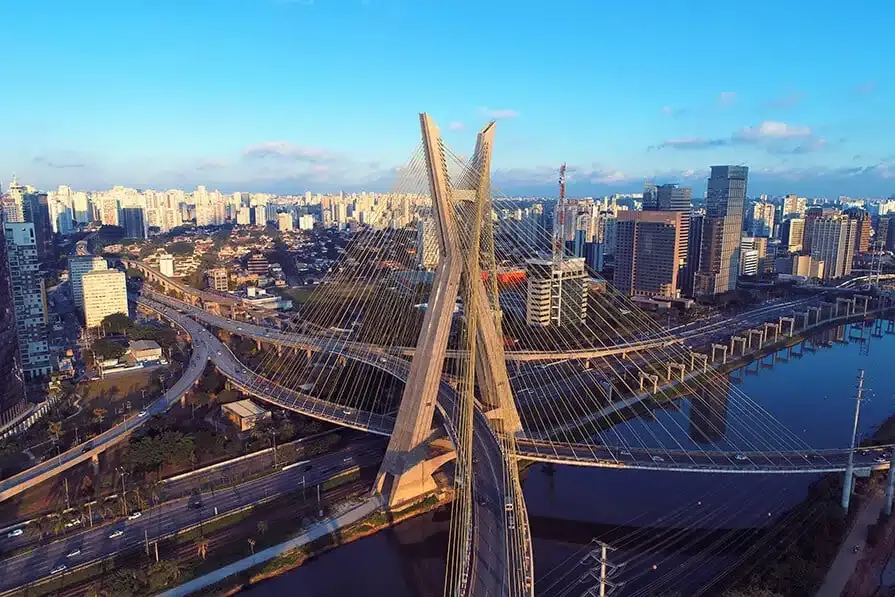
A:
(97, 543)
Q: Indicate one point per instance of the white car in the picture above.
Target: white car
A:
(658, 459)
(58, 569)
(116, 534)
(135, 516)
(74, 553)
(347, 411)
(15, 533)
(72, 523)
(142, 413)
(741, 458)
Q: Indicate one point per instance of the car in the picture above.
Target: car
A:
(74, 553)
(882, 459)
(381, 359)
(658, 459)
(625, 452)
(856, 549)
(346, 459)
(219, 353)
(116, 534)
(72, 523)
(135, 516)
(347, 411)
(142, 413)
(58, 569)
(15, 533)
(741, 458)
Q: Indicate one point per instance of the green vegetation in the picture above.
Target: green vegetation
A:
(180, 248)
(106, 349)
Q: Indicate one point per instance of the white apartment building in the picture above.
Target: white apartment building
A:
(105, 293)
(556, 294)
(78, 266)
(284, 222)
(166, 264)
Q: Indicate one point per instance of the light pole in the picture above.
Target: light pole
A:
(123, 474)
(273, 435)
(849, 469)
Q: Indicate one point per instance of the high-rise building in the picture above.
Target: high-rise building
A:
(647, 253)
(166, 264)
(29, 298)
(13, 208)
(78, 266)
(133, 220)
(257, 264)
(556, 293)
(36, 209)
(719, 258)
(863, 228)
(105, 293)
(694, 250)
(12, 392)
(831, 239)
(794, 205)
(792, 232)
(284, 222)
(427, 250)
(671, 197)
(306, 222)
(761, 221)
(885, 232)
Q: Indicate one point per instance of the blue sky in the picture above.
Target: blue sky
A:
(295, 95)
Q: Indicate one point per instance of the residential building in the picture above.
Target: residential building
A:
(166, 264)
(144, 351)
(284, 222)
(306, 222)
(218, 279)
(762, 219)
(257, 264)
(794, 205)
(36, 209)
(78, 266)
(105, 293)
(29, 298)
(12, 392)
(720, 253)
(647, 253)
(792, 232)
(863, 228)
(556, 292)
(832, 240)
(800, 264)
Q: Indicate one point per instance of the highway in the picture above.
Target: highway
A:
(96, 543)
(87, 450)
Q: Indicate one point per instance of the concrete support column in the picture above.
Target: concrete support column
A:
(890, 485)
(723, 350)
(94, 461)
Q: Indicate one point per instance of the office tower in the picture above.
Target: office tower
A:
(13, 210)
(64, 222)
(556, 292)
(832, 239)
(427, 250)
(81, 207)
(105, 293)
(801, 265)
(306, 222)
(166, 264)
(792, 232)
(885, 232)
(671, 197)
(108, 214)
(217, 279)
(647, 253)
(36, 209)
(78, 266)
(244, 216)
(12, 392)
(259, 213)
(133, 221)
(719, 258)
(593, 256)
(29, 298)
(794, 205)
(863, 228)
(694, 249)
(284, 222)
(761, 221)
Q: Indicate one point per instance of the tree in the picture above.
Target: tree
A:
(202, 547)
(262, 527)
(106, 349)
(123, 582)
(163, 573)
(117, 323)
(99, 415)
(181, 248)
(56, 429)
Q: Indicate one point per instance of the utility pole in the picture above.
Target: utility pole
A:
(146, 539)
(123, 473)
(849, 469)
(273, 435)
(319, 507)
(67, 500)
(601, 573)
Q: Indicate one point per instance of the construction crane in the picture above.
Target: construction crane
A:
(559, 220)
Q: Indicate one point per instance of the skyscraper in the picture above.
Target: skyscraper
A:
(133, 220)
(36, 209)
(556, 293)
(832, 239)
(647, 246)
(762, 220)
(29, 298)
(78, 265)
(12, 392)
(105, 293)
(671, 197)
(722, 228)
(792, 232)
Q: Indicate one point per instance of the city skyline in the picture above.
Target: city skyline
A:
(321, 96)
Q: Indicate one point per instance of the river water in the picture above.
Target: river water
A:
(813, 396)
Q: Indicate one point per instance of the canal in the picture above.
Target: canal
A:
(813, 396)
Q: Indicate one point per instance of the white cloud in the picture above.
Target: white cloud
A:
(727, 98)
(287, 150)
(500, 114)
(770, 129)
(455, 125)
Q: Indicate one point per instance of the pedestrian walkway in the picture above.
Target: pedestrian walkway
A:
(317, 530)
(846, 560)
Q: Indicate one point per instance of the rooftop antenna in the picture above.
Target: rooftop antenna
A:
(559, 220)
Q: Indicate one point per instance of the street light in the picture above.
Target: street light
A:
(123, 474)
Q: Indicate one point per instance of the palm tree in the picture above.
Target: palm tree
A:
(262, 527)
(99, 415)
(252, 545)
(202, 548)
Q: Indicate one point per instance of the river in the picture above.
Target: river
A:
(813, 396)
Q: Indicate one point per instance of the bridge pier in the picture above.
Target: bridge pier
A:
(723, 350)
(890, 485)
(733, 341)
(94, 462)
(703, 357)
(865, 299)
(817, 313)
(772, 326)
(792, 326)
(680, 367)
(752, 334)
(652, 378)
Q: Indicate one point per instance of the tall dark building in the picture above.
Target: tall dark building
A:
(719, 260)
(36, 210)
(134, 222)
(12, 391)
(693, 253)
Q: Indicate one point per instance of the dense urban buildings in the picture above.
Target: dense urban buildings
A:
(647, 254)
(721, 230)
(831, 239)
(105, 293)
(12, 392)
(78, 266)
(29, 298)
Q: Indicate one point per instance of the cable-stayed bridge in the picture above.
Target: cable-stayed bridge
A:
(382, 346)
